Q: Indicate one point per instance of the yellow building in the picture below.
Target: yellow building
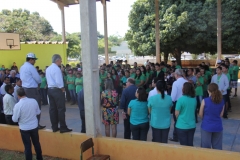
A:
(43, 52)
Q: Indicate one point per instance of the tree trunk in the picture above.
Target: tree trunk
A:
(166, 57)
(177, 54)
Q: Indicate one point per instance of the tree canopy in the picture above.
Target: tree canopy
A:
(184, 26)
(30, 26)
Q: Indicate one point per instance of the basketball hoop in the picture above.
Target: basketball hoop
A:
(10, 43)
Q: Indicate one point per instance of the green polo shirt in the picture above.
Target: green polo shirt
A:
(79, 84)
(71, 86)
(43, 82)
(199, 89)
(235, 73)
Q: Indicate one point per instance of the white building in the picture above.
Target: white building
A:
(122, 50)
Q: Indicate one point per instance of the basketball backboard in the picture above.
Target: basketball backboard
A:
(9, 41)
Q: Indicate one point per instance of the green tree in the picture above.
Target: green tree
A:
(30, 26)
(184, 26)
(74, 44)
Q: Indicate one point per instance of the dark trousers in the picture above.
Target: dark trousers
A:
(82, 116)
(34, 93)
(175, 135)
(186, 136)
(160, 135)
(57, 108)
(140, 131)
(225, 98)
(43, 93)
(28, 137)
(228, 99)
(2, 118)
(9, 120)
(127, 129)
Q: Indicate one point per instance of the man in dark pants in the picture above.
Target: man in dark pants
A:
(25, 113)
(56, 94)
(128, 94)
(31, 80)
(82, 110)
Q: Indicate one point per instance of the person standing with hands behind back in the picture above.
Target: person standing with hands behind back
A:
(56, 94)
(128, 94)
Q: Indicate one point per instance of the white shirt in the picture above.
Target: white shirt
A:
(15, 93)
(223, 83)
(152, 93)
(3, 89)
(8, 104)
(177, 89)
(29, 76)
(54, 76)
(25, 113)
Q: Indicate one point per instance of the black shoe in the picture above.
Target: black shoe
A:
(65, 130)
(174, 140)
(55, 130)
(41, 127)
(73, 103)
(225, 117)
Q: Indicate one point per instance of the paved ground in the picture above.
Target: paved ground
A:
(231, 132)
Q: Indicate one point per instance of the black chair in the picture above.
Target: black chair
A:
(89, 144)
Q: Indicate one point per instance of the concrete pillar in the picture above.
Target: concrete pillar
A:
(158, 57)
(61, 7)
(105, 30)
(219, 29)
(90, 67)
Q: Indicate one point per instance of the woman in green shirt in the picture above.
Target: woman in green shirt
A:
(144, 71)
(199, 86)
(185, 113)
(79, 82)
(139, 78)
(71, 87)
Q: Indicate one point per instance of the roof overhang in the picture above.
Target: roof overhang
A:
(66, 3)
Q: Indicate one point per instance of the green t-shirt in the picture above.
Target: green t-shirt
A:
(43, 82)
(205, 78)
(160, 111)
(139, 112)
(199, 89)
(164, 69)
(71, 86)
(186, 106)
(138, 80)
(148, 90)
(133, 75)
(79, 84)
(230, 70)
(178, 67)
(235, 73)
(148, 74)
(103, 76)
(100, 82)
(123, 80)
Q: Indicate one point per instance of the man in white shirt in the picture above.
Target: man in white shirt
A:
(56, 94)
(31, 80)
(154, 91)
(6, 81)
(176, 93)
(25, 113)
(8, 103)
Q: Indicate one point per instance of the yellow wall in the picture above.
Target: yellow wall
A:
(43, 52)
(67, 146)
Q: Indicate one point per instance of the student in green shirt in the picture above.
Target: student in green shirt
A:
(205, 84)
(43, 89)
(185, 113)
(228, 103)
(234, 81)
(139, 78)
(79, 82)
(143, 70)
(71, 86)
(132, 73)
(103, 77)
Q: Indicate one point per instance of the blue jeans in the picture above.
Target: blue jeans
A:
(211, 139)
(73, 95)
(160, 135)
(27, 137)
(186, 136)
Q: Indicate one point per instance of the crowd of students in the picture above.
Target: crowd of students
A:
(147, 93)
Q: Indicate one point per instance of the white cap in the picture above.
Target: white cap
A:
(219, 61)
(79, 69)
(31, 55)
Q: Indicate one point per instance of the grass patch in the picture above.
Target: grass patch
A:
(13, 155)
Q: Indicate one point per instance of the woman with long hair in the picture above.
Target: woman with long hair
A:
(185, 113)
(159, 107)
(116, 80)
(138, 112)
(211, 111)
(109, 101)
(139, 78)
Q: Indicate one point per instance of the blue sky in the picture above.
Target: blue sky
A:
(117, 10)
